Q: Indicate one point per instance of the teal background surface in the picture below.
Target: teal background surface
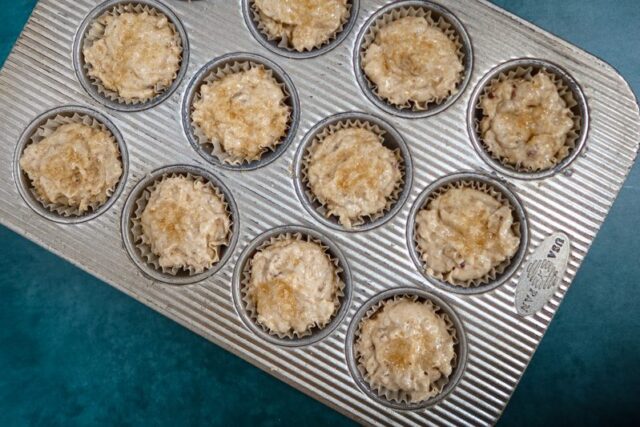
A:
(74, 351)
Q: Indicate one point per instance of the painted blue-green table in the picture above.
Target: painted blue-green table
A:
(74, 351)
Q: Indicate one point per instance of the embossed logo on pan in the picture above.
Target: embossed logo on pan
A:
(542, 274)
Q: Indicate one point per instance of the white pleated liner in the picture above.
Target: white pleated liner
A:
(249, 304)
(143, 248)
(95, 31)
(403, 397)
(498, 270)
(402, 12)
(565, 93)
(321, 207)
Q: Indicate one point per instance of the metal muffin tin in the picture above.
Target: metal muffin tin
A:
(39, 75)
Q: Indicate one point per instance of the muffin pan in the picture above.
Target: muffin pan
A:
(40, 75)
(306, 234)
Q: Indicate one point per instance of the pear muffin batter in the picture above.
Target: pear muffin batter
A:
(244, 113)
(303, 24)
(293, 286)
(136, 55)
(413, 62)
(464, 234)
(406, 347)
(526, 122)
(353, 174)
(76, 166)
(185, 222)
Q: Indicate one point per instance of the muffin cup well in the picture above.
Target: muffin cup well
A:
(569, 90)
(141, 254)
(223, 66)
(399, 400)
(499, 274)
(391, 139)
(86, 34)
(241, 278)
(437, 16)
(281, 47)
(317, 141)
(43, 126)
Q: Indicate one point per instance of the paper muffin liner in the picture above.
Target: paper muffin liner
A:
(139, 239)
(497, 270)
(527, 73)
(421, 12)
(44, 131)
(214, 148)
(330, 129)
(401, 396)
(95, 31)
(250, 307)
(283, 43)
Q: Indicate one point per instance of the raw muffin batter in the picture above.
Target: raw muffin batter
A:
(526, 122)
(411, 61)
(244, 113)
(464, 234)
(77, 166)
(353, 174)
(303, 24)
(185, 222)
(136, 55)
(406, 347)
(293, 286)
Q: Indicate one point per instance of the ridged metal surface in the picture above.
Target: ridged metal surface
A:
(39, 75)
